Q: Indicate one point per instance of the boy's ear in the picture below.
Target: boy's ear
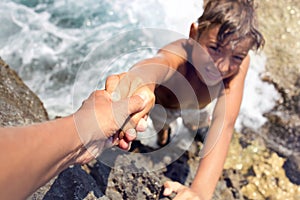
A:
(194, 31)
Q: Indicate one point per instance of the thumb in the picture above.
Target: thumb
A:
(172, 186)
(137, 103)
(124, 108)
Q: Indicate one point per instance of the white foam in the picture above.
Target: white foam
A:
(181, 14)
(259, 97)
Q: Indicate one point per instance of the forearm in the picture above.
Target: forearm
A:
(164, 64)
(153, 71)
(212, 162)
(35, 154)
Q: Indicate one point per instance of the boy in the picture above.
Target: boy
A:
(213, 61)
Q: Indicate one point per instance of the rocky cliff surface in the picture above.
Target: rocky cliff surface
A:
(19, 105)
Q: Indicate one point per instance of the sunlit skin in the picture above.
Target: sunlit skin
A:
(227, 58)
(32, 155)
(204, 74)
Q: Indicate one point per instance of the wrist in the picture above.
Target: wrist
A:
(72, 141)
(88, 140)
(201, 191)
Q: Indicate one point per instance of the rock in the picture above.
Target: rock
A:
(124, 180)
(281, 32)
(279, 24)
(18, 104)
(281, 133)
(131, 184)
(292, 168)
(74, 183)
(256, 172)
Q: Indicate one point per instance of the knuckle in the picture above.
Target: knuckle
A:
(111, 79)
(98, 93)
(134, 120)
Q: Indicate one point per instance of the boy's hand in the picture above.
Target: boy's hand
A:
(182, 192)
(125, 85)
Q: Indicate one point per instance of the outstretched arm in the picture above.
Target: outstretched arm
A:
(144, 76)
(31, 155)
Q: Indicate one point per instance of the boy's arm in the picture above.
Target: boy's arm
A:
(162, 66)
(151, 71)
(218, 139)
(146, 74)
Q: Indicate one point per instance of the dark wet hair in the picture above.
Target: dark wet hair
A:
(236, 17)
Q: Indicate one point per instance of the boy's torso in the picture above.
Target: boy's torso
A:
(184, 90)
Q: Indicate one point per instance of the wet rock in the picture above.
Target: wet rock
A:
(281, 133)
(132, 185)
(74, 183)
(123, 180)
(281, 31)
(256, 172)
(129, 177)
(18, 104)
(279, 23)
(292, 168)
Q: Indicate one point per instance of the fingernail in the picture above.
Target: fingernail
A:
(167, 191)
(115, 96)
(131, 132)
(144, 96)
(129, 146)
(142, 125)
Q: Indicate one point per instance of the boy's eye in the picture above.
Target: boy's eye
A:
(238, 58)
(214, 49)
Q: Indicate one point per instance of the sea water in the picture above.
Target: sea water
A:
(64, 49)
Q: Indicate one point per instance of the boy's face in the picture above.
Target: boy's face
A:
(226, 58)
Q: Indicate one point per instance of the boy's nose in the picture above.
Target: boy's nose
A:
(223, 65)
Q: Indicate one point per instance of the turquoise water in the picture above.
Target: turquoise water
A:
(64, 49)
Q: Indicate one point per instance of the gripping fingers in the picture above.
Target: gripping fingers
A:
(130, 135)
(123, 111)
(139, 119)
(112, 83)
(171, 186)
(125, 139)
(123, 144)
(142, 125)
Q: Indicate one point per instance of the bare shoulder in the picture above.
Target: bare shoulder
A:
(175, 52)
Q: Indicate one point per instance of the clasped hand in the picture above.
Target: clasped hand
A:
(100, 119)
(126, 85)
